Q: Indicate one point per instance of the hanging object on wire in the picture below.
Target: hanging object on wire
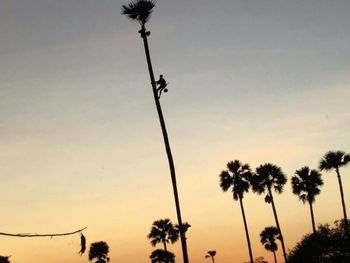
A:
(82, 244)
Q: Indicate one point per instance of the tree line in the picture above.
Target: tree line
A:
(269, 178)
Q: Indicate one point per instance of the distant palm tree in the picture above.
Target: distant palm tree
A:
(270, 177)
(140, 10)
(237, 177)
(185, 227)
(99, 250)
(163, 231)
(162, 256)
(335, 160)
(4, 259)
(306, 184)
(268, 237)
(211, 254)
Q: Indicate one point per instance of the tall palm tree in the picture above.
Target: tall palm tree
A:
(4, 259)
(163, 231)
(140, 10)
(268, 239)
(162, 256)
(237, 177)
(306, 184)
(335, 160)
(211, 254)
(99, 250)
(270, 177)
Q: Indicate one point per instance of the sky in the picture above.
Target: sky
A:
(258, 81)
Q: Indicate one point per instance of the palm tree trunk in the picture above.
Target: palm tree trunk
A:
(166, 142)
(312, 217)
(278, 227)
(274, 256)
(164, 244)
(246, 231)
(343, 202)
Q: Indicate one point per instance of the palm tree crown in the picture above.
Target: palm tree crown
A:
(268, 237)
(211, 254)
(238, 177)
(139, 10)
(4, 259)
(334, 160)
(99, 250)
(163, 231)
(184, 228)
(306, 184)
(268, 177)
(162, 256)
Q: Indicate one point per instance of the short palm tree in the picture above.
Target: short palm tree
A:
(268, 239)
(99, 250)
(270, 177)
(237, 177)
(140, 11)
(211, 254)
(4, 259)
(306, 184)
(335, 160)
(163, 231)
(162, 256)
(184, 229)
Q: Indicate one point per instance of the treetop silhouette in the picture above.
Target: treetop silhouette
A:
(270, 177)
(268, 239)
(334, 160)
(99, 250)
(306, 185)
(163, 231)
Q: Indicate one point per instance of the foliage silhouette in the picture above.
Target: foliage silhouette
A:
(335, 160)
(306, 184)
(327, 245)
(140, 10)
(99, 250)
(268, 239)
(4, 259)
(270, 177)
(162, 256)
(185, 227)
(237, 177)
(211, 254)
(163, 231)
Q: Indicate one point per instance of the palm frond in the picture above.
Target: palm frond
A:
(225, 180)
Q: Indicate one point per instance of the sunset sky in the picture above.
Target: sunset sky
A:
(254, 80)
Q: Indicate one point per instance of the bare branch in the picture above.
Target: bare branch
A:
(42, 235)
